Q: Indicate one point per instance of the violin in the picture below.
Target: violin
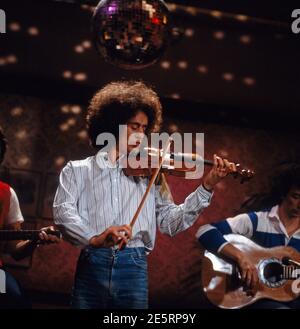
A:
(174, 164)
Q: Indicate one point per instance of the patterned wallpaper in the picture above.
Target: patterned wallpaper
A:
(44, 134)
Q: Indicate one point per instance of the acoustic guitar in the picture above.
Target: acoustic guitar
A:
(9, 235)
(221, 279)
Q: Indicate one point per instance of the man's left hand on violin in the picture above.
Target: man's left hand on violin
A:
(221, 168)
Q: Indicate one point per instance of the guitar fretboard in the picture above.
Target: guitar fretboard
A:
(9, 235)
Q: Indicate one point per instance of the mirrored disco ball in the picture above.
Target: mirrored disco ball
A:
(131, 34)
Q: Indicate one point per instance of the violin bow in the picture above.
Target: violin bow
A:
(152, 180)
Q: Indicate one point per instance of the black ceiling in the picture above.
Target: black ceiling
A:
(278, 10)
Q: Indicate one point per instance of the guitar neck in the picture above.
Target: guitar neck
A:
(10, 235)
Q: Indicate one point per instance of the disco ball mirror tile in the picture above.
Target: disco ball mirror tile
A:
(131, 34)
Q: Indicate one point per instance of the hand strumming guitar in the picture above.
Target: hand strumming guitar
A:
(247, 269)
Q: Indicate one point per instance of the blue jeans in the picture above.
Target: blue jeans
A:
(107, 278)
(14, 298)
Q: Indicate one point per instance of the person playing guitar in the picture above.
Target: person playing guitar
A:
(274, 220)
(11, 294)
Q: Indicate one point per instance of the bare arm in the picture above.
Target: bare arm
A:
(247, 268)
(21, 249)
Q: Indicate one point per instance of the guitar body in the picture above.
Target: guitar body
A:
(221, 280)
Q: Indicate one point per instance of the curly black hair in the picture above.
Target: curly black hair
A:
(3, 145)
(284, 177)
(116, 103)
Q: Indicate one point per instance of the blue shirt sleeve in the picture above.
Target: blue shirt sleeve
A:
(212, 238)
(211, 235)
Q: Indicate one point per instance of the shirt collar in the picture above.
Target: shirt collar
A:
(103, 161)
(273, 213)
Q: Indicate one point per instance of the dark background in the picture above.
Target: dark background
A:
(235, 80)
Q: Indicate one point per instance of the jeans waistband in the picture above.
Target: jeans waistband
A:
(139, 251)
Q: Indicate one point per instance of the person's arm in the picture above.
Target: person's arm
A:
(211, 238)
(248, 269)
(172, 218)
(65, 212)
(14, 220)
(21, 249)
(18, 249)
(68, 220)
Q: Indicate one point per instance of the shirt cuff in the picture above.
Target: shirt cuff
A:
(206, 195)
(88, 238)
(222, 246)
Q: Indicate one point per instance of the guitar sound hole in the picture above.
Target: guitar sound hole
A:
(273, 272)
(270, 272)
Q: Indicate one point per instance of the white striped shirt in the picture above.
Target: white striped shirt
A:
(90, 198)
